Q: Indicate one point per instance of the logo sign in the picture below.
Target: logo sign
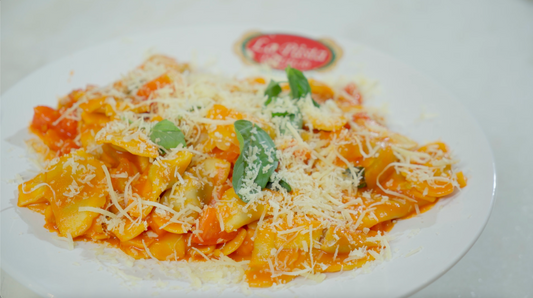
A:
(280, 50)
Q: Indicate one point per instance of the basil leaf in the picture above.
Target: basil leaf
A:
(167, 135)
(195, 108)
(360, 172)
(282, 183)
(272, 90)
(296, 120)
(299, 84)
(288, 111)
(257, 160)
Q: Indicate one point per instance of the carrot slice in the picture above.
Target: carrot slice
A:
(157, 83)
(209, 227)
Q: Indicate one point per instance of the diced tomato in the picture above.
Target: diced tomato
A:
(43, 117)
(68, 145)
(354, 92)
(230, 155)
(53, 140)
(209, 226)
(361, 116)
(58, 137)
(354, 96)
(67, 128)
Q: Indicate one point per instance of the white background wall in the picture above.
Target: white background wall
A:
(482, 51)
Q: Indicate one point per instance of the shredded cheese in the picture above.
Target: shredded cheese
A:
(98, 210)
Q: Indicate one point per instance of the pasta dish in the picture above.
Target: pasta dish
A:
(287, 178)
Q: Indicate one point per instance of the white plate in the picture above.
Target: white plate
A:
(40, 261)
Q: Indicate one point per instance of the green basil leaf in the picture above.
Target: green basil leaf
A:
(272, 90)
(194, 108)
(360, 172)
(257, 160)
(282, 183)
(285, 185)
(289, 114)
(299, 84)
(280, 114)
(167, 135)
(296, 120)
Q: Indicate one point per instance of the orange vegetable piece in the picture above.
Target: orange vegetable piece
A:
(461, 179)
(43, 117)
(209, 225)
(224, 135)
(156, 228)
(256, 80)
(320, 91)
(351, 97)
(157, 83)
(58, 137)
(434, 146)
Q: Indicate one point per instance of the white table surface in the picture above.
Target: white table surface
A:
(482, 51)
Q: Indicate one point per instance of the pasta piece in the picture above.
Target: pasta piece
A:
(215, 172)
(264, 245)
(235, 243)
(97, 231)
(128, 230)
(157, 178)
(235, 213)
(169, 247)
(344, 241)
(378, 165)
(78, 181)
(247, 246)
(301, 236)
(320, 91)
(138, 145)
(390, 210)
(94, 118)
(209, 231)
(34, 191)
(327, 118)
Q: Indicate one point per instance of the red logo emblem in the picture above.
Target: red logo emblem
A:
(280, 50)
